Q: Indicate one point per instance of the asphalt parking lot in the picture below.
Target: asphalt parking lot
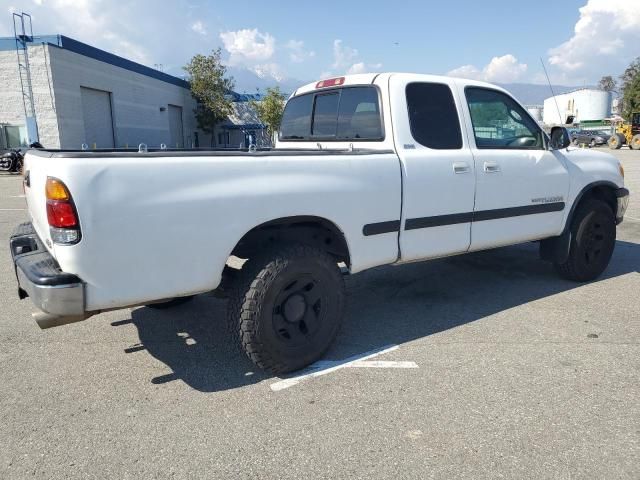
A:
(502, 370)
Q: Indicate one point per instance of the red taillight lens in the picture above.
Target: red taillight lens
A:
(330, 82)
(61, 214)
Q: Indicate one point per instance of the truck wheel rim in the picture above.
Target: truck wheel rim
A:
(594, 241)
(298, 311)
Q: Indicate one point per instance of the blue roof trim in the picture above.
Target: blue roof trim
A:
(243, 126)
(9, 43)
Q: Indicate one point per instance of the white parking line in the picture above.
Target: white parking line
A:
(324, 367)
(383, 364)
(12, 209)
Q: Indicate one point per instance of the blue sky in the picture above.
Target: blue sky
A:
(494, 40)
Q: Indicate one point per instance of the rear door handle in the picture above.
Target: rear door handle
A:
(461, 167)
(491, 167)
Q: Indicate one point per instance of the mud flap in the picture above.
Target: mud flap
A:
(556, 249)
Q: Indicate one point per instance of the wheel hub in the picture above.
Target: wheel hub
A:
(294, 308)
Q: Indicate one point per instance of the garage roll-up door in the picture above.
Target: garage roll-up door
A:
(175, 127)
(98, 122)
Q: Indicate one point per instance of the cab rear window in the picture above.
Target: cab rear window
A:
(349, 113)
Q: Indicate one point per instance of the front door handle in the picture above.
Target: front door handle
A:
(491, 167)
(461, 167)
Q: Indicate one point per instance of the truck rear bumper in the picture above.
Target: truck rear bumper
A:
(60, 295)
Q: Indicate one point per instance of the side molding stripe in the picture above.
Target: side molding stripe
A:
(438, 221)
(456, 218)
(381, 227)
(517, 211)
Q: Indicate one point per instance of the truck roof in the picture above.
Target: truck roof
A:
(369, 78)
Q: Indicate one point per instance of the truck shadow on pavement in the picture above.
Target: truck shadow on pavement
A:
(386, 305)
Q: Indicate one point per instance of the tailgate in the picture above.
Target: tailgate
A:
(37, 166)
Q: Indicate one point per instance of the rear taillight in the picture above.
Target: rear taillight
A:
(61, 213)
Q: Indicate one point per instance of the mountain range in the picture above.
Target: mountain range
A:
(248, 81)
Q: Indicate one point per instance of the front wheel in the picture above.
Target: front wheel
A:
(286, 307)
(635, 142)
(614, 142)
(593, 238)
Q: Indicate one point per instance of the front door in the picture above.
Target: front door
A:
(437, 169)
(521, 186)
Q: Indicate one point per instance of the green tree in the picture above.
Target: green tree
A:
(210, 87)
(607, 83)
(630, 81)
(270, 109)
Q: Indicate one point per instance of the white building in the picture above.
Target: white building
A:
(84, 95)
(535, 111)
(583, 105)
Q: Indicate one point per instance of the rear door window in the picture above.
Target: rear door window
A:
(349, 113)
(433, 116)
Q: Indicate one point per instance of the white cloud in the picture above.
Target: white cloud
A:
(297, 53)
(343, 56)
(199, 27)
(359, 67)
(346, 61)
(252, 50)
(269, 70)
(362, 67)
(605, 40)
(248, 46)
(500, 69)
(102, 24)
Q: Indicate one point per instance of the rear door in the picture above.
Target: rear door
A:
(438, 171)
(521, 186)
(175, 127)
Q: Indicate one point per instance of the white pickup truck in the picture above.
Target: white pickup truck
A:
(369, 170)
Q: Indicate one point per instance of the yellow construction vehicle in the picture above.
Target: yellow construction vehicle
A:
(626, 134)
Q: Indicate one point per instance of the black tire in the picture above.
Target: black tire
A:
(574, 141)
(622, 139)
(174, 302)
(286, 307)
(635, 142)
(593, 238)
(592, 143)
(614, 142)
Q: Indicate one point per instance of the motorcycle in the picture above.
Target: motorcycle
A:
(13, 160)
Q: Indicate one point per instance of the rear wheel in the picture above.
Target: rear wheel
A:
(592, 143)
(635, 142)
(593, 238)
(286, 307)
(614, 142)
(574, 141)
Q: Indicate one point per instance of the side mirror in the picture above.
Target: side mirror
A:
(559, 138)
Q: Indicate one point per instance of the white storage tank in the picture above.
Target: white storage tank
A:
(535, 111)
(585, 104)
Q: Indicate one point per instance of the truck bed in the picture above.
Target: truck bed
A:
(214, 152)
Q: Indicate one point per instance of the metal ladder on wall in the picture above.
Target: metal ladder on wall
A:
(23, 32)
